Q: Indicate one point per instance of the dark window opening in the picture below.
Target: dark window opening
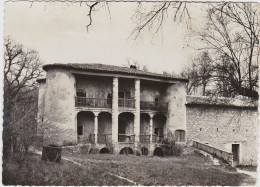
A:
(156, 131)
(200, 129)
(156, 100)
(180, 135)
(217, 129)
(81, 93)
(80, 130)
(121, 95)
(109, 98)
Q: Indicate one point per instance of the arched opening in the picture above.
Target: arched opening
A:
(104, 128)
(104, 151)
(144, 151)
(144, 128)
(159, 121)
(180, 136)
(126, 151)
(158, 152)
(126, 127)
(85, 127)
(81, 93)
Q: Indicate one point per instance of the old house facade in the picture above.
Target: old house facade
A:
(104, 106)
(110, 108)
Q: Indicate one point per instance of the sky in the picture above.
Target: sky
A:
(57, 30)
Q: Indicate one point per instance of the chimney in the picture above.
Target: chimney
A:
(133, 66)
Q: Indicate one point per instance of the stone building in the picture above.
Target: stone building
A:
(109, 108)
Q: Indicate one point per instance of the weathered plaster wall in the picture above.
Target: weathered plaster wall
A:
(59, 119)
(176, 96)
(223, 126)
(104, 123)
(159, 121)
(41, 105)
(144, 124)
(95, 87)
(86, 119)
(151, 90)
(127, 85)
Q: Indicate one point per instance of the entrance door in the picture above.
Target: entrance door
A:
(235, 151)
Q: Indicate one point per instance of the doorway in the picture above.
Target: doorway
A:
(235, 151)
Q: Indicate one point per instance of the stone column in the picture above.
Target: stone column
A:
(115, 111)
(151, 127)
(96, 126)
(137, 111)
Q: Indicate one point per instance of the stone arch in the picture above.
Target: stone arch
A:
(126, 151)
(180, 135)
(144, 151)
(85, 126)
(158, 152)
(104, 150)
(159, 124)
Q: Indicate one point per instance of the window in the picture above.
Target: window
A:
(80, 130)
(121, 94)
(81, 93)
(180, 135)
(156, 131)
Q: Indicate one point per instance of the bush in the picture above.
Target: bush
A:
(170, 148)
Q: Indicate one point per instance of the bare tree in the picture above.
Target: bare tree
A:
(199, 73)
(154, 17)
(231, 33)
(21, 69)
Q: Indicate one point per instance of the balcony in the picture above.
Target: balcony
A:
(156, 106)
(157, 139)
(104, 138)
(126, 138)
(144, 138)
(126, 103)
(93, 102)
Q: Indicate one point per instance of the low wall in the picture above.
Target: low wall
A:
(214, 151)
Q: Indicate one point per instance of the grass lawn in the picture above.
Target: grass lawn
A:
(190, 169)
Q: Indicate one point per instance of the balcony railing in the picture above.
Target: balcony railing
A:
(104, 138)
(157, 139)
(157, 106)
(93, 102)
(126, 103)
(144, 138)
(127, 138)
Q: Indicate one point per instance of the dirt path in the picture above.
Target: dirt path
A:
(70, 159)
(251, 180)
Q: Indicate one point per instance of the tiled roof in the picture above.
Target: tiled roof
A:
(111, 69)
(243, 102)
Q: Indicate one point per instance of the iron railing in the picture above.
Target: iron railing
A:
(157, 106)
(127, 138)
(93, 102)
(126, 103)
(104, 138)
(144, 138)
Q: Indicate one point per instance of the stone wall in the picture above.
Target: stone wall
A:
(59, 113)
(224, 125)
(227, 156)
